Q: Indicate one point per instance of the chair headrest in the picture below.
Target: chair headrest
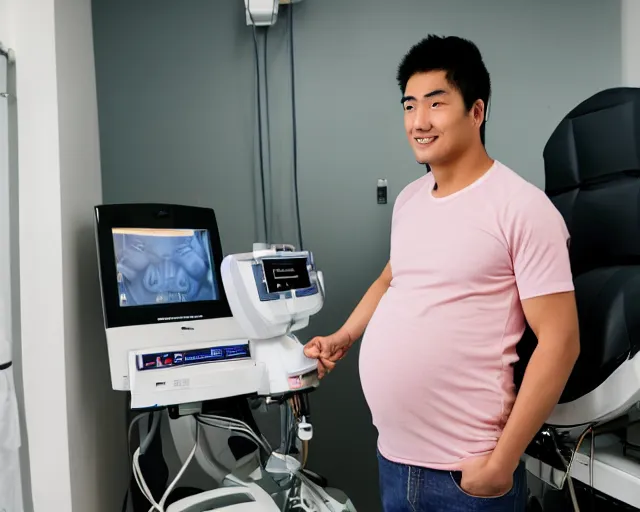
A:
(597, 140)
(592, 171)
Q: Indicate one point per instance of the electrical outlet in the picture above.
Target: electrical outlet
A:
(382, 191)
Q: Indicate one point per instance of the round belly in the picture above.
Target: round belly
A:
(424, 377)
(395, 369)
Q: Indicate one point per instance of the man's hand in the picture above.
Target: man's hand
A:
(328, 350)
(483, 479)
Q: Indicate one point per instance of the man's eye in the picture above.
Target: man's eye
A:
(436, 104)
(408, 107)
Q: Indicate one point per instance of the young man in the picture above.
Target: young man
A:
(475, 252)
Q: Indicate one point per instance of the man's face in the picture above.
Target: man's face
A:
(437, 123)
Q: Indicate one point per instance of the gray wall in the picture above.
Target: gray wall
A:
(177, 116)
(95, 413)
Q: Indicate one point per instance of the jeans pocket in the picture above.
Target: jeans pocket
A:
(456, 478)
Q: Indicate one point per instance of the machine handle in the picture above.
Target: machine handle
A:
(320, 276)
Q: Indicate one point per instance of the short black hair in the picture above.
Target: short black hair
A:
(459, 58)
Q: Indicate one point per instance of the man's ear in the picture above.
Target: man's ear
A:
(479, 112)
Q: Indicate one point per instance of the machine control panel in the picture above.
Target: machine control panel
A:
(285, 274)
(279, 277)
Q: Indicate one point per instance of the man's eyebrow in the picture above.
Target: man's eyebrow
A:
(437, 92)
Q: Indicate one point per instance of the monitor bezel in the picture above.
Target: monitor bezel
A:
(155, 216)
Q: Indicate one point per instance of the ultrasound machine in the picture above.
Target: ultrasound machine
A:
(199, 340)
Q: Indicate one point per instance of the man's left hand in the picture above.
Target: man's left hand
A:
(482, 478)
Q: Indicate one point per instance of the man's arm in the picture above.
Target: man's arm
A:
(330, 349)
(554, 320)
(357, 322)
(538, 241)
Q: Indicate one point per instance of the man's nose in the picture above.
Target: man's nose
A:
(422, 119)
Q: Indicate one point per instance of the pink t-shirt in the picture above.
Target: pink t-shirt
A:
(435, 362)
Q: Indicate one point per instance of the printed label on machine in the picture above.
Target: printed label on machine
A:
(188, 357)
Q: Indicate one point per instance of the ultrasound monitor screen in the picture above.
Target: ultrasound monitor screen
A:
(163, 266)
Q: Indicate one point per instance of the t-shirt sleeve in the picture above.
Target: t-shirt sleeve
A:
(540, 248)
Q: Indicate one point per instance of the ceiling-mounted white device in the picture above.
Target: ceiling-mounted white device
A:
(264, 13)
(261, 13)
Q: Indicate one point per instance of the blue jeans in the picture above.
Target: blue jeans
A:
(413, 489)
